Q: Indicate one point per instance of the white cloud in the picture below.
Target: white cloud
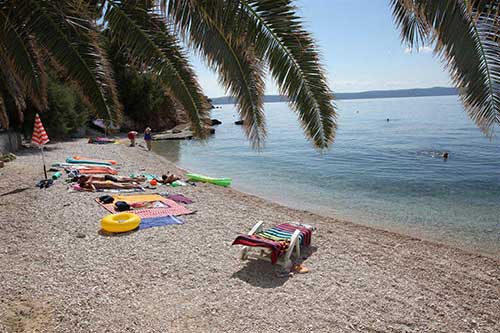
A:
(422, 49)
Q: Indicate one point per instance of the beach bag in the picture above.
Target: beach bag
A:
(122, 206)
(106, 199)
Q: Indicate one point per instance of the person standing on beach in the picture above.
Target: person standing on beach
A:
(131, 136)
(147, 137)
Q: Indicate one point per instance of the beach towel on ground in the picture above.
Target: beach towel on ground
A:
(172, 208)
(100, 140)
(95, 171)
(148, 176)
(77, 187)
(159, 221)
(71, 160)
(180, 199)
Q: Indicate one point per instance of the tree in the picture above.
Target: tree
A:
(240, 40)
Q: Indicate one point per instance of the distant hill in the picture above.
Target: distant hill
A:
(417, 92)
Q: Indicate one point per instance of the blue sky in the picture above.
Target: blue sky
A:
(360, 48)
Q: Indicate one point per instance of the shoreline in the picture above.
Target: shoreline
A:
(400, 233)
(190, 278)
(396, 233)
(335, 219)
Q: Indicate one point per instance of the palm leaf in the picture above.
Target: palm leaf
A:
(69, 38)
(466, 38)
(20, 58)
(409, 20)
(240, 71)
(11, 83)
(148, 40)
(294, 62)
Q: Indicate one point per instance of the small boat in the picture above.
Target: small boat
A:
(205, 179)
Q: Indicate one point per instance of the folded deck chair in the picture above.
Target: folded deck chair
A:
(276, 244)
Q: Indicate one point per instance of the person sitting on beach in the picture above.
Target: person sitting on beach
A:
(131, 136)
(169, 178)
(91, 184)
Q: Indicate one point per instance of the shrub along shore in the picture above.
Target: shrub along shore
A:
(59, 273)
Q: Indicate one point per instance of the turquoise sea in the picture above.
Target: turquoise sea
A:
(386, 174)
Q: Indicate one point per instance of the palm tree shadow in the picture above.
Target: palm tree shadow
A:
(263, 274)
(17, 190)
(26, 151)
(304, 254)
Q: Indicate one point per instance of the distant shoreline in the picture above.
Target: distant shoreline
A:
(400, 93)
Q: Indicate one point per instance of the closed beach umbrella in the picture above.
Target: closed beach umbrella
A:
(40, 138)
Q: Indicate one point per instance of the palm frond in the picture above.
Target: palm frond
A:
(20, 58)
(148, 40)
(207, 28)
(68, 36)
(11, 83)
(413, 32)
(39, 97)
(466, 38)
(275, 30)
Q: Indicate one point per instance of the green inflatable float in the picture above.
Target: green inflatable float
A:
(216, 181)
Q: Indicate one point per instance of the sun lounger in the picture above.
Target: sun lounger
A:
(276, 244)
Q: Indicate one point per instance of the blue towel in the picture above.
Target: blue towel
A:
(151, 222)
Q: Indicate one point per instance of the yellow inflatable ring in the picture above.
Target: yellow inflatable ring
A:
(121, 222)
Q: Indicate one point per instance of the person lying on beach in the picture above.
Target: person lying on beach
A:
(116, 179)
(88, 183)
(169, 178)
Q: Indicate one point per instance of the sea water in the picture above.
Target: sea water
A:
(385, 168)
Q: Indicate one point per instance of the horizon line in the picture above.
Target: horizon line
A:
(361, 92)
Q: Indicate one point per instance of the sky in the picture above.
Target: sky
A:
(360, 48)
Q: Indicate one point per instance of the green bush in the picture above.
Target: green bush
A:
(142, 95)
(66, 111)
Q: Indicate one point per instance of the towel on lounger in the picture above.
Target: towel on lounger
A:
(277, 248)
(276, 238)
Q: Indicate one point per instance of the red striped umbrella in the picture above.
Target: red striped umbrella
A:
(39, 137)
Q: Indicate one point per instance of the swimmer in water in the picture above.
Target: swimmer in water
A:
(445, 155)
(387, 119)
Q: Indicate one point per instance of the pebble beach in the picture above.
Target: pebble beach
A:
(60, 274)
